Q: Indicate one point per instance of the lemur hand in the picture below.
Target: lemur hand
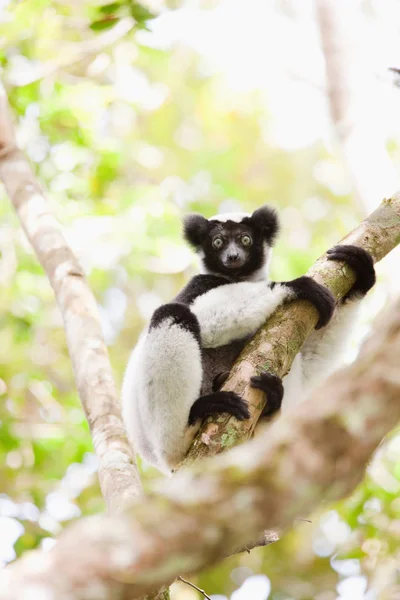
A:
(306, 288)
(362, 264)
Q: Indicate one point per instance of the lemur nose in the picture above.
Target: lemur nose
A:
(233, 257)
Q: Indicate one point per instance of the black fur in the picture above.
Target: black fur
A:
(262, 226)
(305, 288)
(272, 386)
(180, 314)
(195, 228)
(265, 220)
(199, 285)
(255, 254)
(214, 360)
(217, 361)
(218, 403)
(219, 381)
(362, 264)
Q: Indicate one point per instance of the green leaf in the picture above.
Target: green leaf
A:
(109, 9)
(140, 13)
(104, 24)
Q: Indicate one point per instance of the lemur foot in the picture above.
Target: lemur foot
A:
(177, 314)
(362, 264)
(272, 386)
(219, 381)
(216, 404)
(306, 288)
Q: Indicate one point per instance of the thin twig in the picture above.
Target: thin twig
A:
(195, 587)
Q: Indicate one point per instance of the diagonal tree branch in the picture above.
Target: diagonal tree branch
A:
(119, 478)
(317, 452)
(282, 337)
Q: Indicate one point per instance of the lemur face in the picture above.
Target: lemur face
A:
(234, 245)
(228, 246)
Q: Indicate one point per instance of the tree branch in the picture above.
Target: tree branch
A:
(75, 52)
(316, 452)
(278, 342)
(119, 478)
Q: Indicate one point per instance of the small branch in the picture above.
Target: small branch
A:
(119, 478)
(194, 587)
(267, 538)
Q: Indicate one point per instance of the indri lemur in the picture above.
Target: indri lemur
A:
(181, 360)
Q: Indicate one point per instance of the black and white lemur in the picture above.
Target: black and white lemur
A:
(173, 378)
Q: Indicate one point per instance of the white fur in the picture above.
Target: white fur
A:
(162, 381)
(164, 373)
(319, 356)
(324, 348)
(236, 217)
(234, 311)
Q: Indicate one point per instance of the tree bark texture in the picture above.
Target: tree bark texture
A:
(119, 478)
(315, 453)
(277, 343)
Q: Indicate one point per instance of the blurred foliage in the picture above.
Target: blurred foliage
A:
(127, 137)
(109, 14)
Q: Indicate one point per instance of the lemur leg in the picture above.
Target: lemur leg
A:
(161, 404)
(217, 403)
(219, 380)
(322, 351)
(163, 380)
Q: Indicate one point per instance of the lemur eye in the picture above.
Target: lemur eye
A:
(246, 240)
(218, 243)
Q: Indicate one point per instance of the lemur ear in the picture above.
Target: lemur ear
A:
(195, 228)
(265, 219)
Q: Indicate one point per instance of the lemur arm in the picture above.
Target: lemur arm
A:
(236, 310)
(230, 311)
